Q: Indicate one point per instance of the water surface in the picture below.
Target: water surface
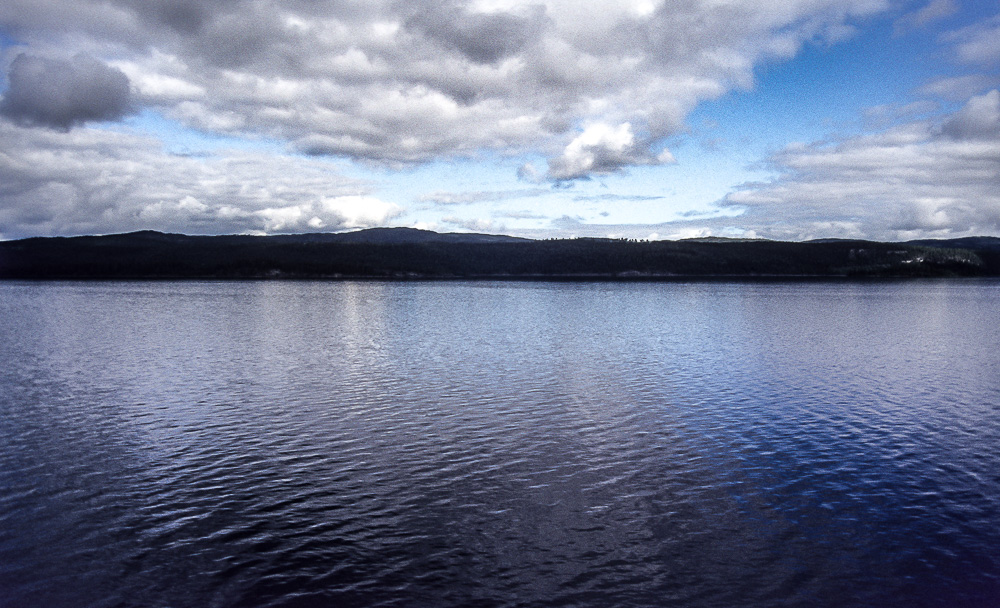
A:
(499, 444)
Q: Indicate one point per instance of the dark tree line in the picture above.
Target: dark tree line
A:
(402, 253)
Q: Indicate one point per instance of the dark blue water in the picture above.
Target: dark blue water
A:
(500, 444)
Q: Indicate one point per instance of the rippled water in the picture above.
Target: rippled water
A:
(500, 444)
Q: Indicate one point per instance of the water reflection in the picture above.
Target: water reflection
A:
(282, 443)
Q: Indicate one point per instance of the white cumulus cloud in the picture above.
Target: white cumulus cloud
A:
(601, 149)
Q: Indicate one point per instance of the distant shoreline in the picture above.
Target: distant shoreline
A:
(406, 254)
(506, 279)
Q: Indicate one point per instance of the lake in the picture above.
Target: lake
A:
(500, 444)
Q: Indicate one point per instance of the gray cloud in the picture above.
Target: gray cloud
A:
(183, 16)
(481, 37)
(63, 94)
(978, 119)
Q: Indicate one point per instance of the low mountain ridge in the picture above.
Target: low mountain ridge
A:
(413, 253)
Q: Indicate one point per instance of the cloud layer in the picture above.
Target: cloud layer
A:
(918, 179)
(402, 82)
(92, 181)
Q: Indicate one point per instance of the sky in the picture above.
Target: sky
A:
(644, 119)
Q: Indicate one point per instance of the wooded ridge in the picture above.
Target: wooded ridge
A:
(400, 253)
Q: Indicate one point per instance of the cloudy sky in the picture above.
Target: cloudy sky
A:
(548, 118)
